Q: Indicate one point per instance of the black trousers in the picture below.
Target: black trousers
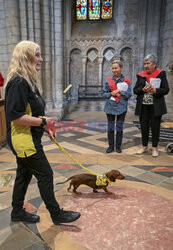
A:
(38, 166)
(119, 129)
(147, 120)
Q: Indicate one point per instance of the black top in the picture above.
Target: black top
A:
(20, 100)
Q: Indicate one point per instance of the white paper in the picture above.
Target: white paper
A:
(122, 86)
(112, 98)
(155, 82)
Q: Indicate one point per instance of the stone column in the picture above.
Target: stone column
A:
(100, 61)
(68, 71)
(45, 43)
(58, 62)
(68, 4)
(13, 35)
(167, 53)
(152, 26)
(84, 60)
(23, 20)
(30, 20)
(37, 22)
(4, 57)
(142, 18)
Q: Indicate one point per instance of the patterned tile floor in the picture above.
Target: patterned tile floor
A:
(83, 134)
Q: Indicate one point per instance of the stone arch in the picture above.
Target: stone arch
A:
(108, 56)
(75, 69)
(126, 56)
(90, 48)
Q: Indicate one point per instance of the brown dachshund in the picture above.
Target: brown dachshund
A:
(91, 181)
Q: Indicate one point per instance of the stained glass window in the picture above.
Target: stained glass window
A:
(94, 9)
(106, 9)
(81, 9)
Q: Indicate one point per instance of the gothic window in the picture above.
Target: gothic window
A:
(93, 9)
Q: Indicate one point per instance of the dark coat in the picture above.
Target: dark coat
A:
(158, 97)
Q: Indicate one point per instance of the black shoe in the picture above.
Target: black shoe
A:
(65, 217)
(24, 216)
(118, 150)
(109, 150)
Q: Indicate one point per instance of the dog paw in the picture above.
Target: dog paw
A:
(109, 193)
(77, 192)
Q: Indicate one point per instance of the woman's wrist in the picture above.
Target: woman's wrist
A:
(43, 122)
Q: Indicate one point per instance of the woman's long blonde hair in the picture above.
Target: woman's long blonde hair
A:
(23, 63)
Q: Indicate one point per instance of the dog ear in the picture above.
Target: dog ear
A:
(108, 174)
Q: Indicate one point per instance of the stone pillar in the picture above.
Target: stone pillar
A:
(45, 43)
(58, 62)
(37, 22)
(68, 71)
(30, 20)
(68, 4)
(13, 35)
(142, 18)
(23, 20)
(84, 60)
(167, 53)
(100, 61)
(152, 26)
(3, 41)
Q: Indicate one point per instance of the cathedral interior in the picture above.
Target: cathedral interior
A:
(79, 40)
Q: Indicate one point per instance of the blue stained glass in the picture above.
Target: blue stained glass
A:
(81, 9)
(94, 9)
(106, 9)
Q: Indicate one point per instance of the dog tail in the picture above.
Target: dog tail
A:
(64, 181)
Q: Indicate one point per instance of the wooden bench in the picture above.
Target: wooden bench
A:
(90, 92)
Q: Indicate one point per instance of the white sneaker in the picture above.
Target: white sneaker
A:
(155, 153)
(142, 151)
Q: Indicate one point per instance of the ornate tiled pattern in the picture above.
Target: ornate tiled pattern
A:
(83, 134)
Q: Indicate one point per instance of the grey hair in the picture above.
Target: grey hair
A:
(118, 62)
(151, 57)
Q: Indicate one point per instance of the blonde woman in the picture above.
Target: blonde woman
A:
(23, 107)
(117, 91)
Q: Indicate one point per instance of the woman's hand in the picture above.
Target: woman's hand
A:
(51, 127)
(52, 134)
(147, 88)
(153, 90)
(51, 124)
(116, 93)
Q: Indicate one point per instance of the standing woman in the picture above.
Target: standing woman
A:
(117, 92)
(150, 104)
(23, 107)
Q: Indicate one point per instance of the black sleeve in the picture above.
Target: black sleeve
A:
(164, 88)
(140, 83)
(16, 98)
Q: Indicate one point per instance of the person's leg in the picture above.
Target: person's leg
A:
(119, 131)
(145, 124)
(41, 169)
(155, 129)
(23, 178)
(111, 129)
